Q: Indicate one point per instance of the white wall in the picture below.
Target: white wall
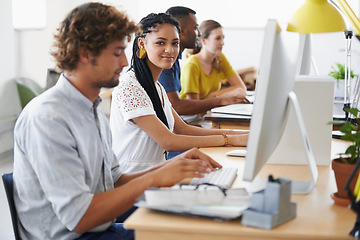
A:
(35, 45)
(243, 48)
(30, 48)
(9, 102)
(242, 44)
(7, 60)
(243, 39)
(26, 53)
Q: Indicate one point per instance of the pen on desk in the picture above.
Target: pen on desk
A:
(246, 100)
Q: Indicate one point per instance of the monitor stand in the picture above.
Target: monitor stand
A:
(297, 187)
(303, 187)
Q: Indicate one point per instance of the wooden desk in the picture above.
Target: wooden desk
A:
(231, 121)
(317, 216)
(227, 121)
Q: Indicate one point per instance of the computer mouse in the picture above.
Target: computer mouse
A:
(237, 153)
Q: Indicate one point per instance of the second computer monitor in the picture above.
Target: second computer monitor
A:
(274, 92)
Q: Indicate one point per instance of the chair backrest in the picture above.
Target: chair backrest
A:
(9, 189)
(27, 89)
(51, 78)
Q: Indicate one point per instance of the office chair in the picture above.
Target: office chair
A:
(27, 89)
(51, 78)
(8, 184)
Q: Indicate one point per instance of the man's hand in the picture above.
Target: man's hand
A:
(190, 164)
(197, 154)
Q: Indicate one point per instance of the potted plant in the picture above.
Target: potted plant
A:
(344, 164)
(338, 73)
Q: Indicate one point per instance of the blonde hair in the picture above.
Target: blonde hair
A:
(206, 27)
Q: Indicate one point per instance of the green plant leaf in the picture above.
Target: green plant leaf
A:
(349, 137)
(339, 71)
(350, 150)
(357, 137)
(352, 111)
(351, 130)
(347, 128)
(336, 122)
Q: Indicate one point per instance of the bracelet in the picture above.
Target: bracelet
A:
(226, 140)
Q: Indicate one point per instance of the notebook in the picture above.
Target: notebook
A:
(237, 109)
(204, 201)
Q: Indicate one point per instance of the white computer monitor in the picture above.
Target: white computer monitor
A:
(281, 55)
(304, 58)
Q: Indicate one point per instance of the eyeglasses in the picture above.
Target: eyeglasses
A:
(222, 189)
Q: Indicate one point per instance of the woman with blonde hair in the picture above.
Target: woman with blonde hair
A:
(204, 71)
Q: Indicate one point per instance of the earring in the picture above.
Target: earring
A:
(141, 53)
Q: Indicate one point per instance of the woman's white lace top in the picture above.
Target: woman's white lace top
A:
(134, 149)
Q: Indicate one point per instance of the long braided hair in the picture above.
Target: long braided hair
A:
(141, 68)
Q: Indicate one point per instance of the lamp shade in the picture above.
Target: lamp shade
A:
(316, 16)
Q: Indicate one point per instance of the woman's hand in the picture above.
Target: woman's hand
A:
(232, 99)
(238, 140)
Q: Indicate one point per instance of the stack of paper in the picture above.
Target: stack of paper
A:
(237, 109)
(205, 201)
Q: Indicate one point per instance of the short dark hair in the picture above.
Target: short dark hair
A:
(90, 25)
(180, 12)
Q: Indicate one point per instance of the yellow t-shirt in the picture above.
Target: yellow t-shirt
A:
(195, 80)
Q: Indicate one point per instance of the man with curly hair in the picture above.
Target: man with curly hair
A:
(67, 182)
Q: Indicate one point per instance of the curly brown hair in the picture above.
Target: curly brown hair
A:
(93, 26)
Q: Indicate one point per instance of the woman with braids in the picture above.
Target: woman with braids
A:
(202, 74)
(143, 123)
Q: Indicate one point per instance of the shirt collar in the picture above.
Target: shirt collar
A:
(75, 95)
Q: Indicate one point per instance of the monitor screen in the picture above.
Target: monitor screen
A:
(281, 56)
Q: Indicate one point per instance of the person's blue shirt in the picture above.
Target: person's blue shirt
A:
(170, 78)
